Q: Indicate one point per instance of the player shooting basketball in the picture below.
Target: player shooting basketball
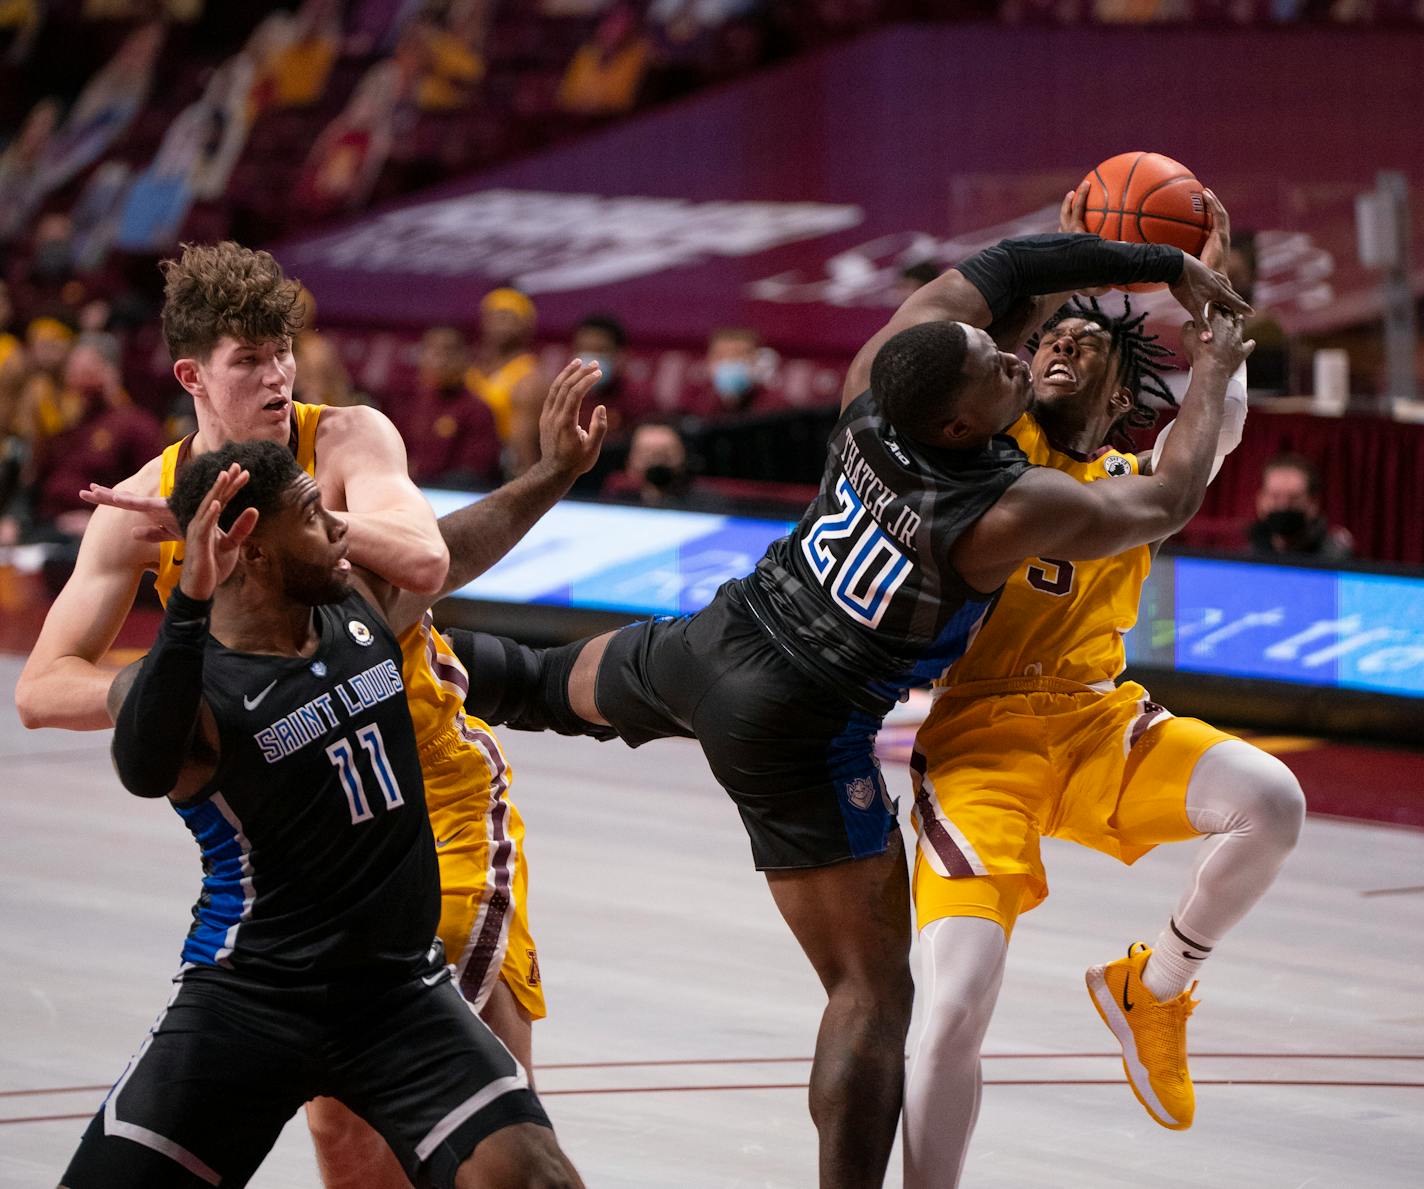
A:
(1031, 735)
(925, 510)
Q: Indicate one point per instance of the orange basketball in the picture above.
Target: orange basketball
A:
(1147, 198)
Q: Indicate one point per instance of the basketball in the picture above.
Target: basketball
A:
(1147, 198)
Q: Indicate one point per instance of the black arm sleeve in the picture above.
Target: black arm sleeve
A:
(1034, 264)
(155, 725)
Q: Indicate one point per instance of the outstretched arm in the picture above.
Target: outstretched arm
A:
(63, 683)
(481, 533)
(1047, 514)
(390, 528)
(994, 284)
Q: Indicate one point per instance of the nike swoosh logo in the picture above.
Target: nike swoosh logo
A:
(442, 843)
(1126, 1006)
(253, 703)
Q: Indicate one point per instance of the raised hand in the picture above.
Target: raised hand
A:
(209, 553)
(161, 524)
(1070, 211)
(564, 445)
(1221, 346)
(1199, 288)
(1217, 252)
(1071, 218)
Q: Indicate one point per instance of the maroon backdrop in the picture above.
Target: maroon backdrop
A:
(790, 201)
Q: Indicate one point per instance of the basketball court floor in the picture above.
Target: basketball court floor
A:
(682, 1014)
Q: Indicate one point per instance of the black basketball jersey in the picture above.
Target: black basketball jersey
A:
(862, 594)
(318, 860)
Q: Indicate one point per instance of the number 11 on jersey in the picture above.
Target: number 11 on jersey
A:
(343, 756)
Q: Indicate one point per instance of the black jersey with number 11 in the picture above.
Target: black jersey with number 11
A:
(318, 861)
(862, 594)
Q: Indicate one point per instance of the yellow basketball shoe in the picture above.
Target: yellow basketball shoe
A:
(1153, 1036)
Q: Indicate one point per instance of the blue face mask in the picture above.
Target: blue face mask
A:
(732, 378)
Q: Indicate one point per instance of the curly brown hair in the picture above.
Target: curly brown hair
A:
(213, 290)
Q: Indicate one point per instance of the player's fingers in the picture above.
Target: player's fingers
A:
(241, 528)
(231, 481)
(207, 517)
(1220, 220)
(571, 387)
(1065, 212)
(561, 380)
(1226, 296)
(585, 384)
(597, 429)
(1247, 347)
(1080, 203)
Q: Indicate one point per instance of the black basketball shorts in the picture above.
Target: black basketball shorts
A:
(231, 1059)
(795, 756)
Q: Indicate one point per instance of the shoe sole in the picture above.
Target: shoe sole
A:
(1137, 1077)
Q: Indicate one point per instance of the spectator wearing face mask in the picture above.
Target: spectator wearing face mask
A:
(656, 473)
(601, 338)
(735, 371)
(1289, 521)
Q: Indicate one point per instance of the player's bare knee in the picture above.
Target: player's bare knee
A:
(521, 1156)
(880, 1006)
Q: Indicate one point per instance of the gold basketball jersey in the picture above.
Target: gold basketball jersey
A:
(1060, 619)
(425, 657)
(303, 444)
(496, 389)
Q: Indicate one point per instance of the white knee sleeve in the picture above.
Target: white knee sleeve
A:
(1239, 789)
(961, 969)
(1252, 803)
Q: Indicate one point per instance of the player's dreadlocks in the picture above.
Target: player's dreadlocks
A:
(1140, 362)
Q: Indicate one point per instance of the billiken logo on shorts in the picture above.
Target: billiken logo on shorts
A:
(860, 792)
(359, 632)
(1117, 466)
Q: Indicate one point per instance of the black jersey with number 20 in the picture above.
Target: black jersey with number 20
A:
(862, 594)
(318, 861)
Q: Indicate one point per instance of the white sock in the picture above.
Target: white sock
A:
(1252, 805)
(1176, 958)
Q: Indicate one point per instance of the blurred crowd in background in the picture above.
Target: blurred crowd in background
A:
(132, 125)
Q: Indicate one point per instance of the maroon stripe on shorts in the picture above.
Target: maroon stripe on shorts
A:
(944, 845)
(486, 948)
(451, 671)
